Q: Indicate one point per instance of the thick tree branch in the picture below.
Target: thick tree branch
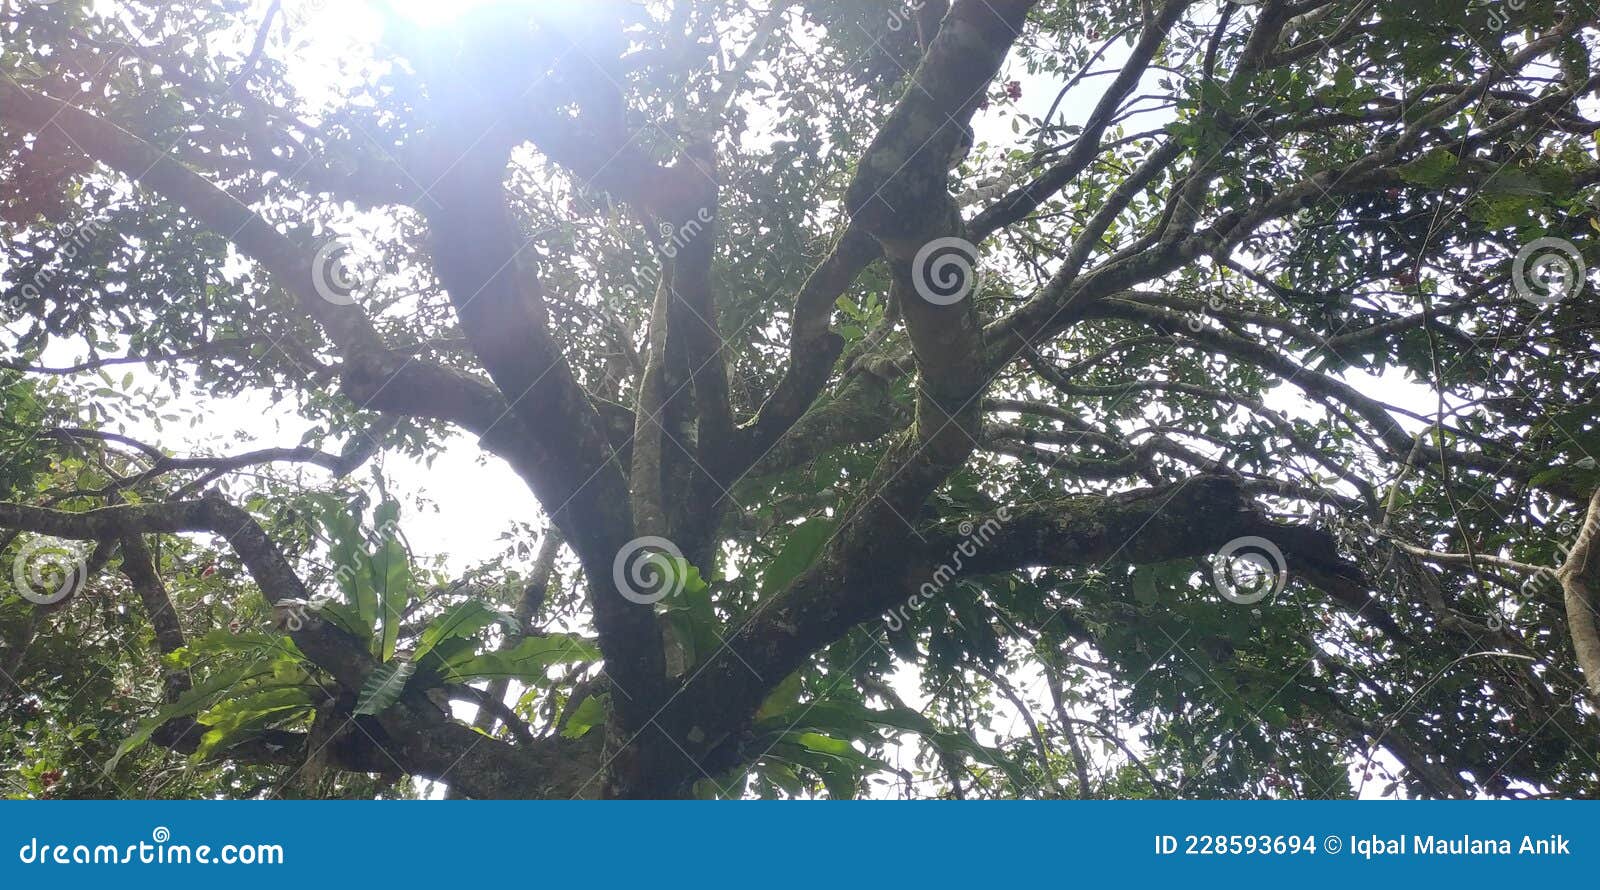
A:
(1580, 582)
(499, 301)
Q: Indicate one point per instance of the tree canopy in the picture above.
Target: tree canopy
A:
(987, 398)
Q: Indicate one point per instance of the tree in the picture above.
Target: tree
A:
(1224, 430)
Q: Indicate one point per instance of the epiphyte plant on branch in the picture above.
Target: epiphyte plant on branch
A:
(985, 398)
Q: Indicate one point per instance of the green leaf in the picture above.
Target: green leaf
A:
(391, 576)
(345, 618)
(589, 713)
(825, 744)
(691, 617)
(383, 686)
(459, 621)
(1511, 181)
(782, 698)
(1503, 211)
(855, 720)
(781, 775)
(841, 769)
(232, 718)
(680, 576)
(1581, 478)
(799, 551)
(527, 661)
(436, 663)
(350, 560)
(1433, 169)
(221, 641)
(192, 702)
(837, 777)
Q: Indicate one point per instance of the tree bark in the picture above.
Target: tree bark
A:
(1580, 583)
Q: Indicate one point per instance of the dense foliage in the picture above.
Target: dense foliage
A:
(991, 398)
